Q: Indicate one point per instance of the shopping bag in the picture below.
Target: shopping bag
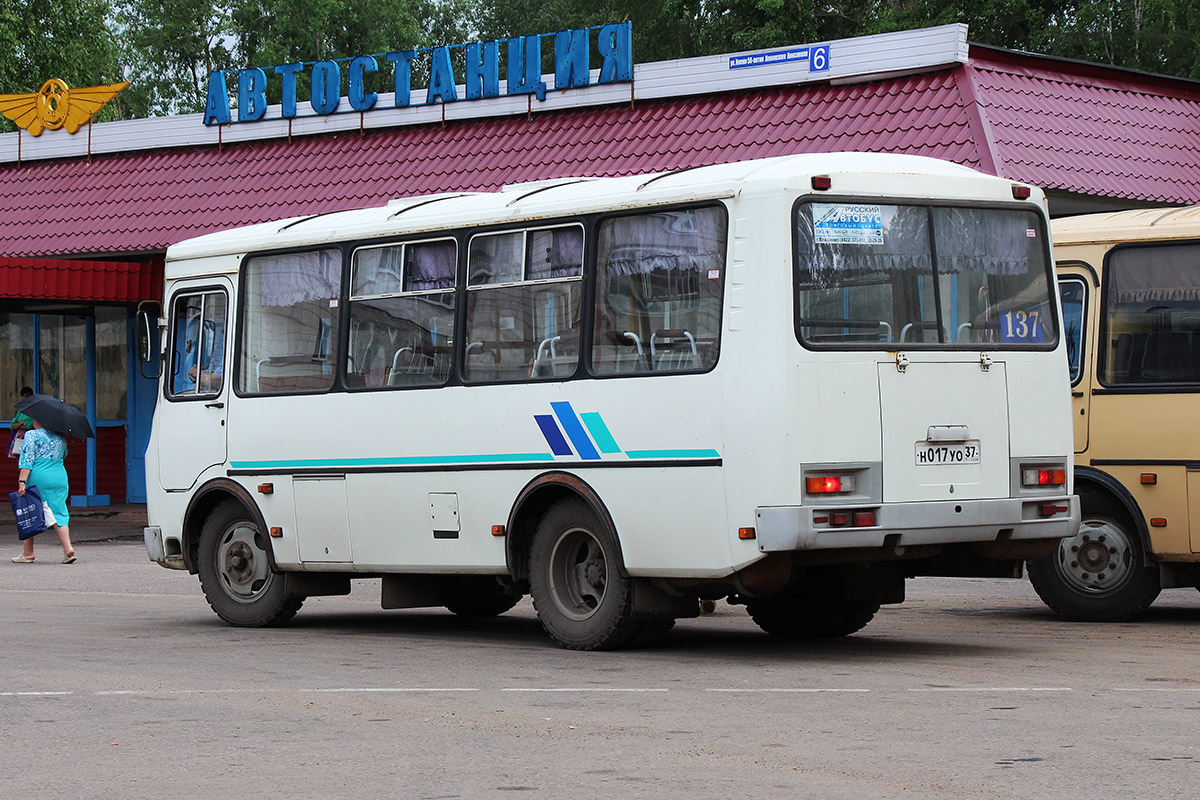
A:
(15, 440)
(28, 512)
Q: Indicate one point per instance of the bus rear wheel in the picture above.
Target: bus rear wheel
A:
(581, 596)
(236, 574)
(823, 608)
(1100, 574)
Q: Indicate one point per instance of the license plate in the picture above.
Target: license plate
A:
(930, 455)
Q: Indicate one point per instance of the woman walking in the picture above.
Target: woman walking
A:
(41, 465)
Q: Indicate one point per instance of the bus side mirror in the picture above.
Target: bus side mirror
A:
(149, 353)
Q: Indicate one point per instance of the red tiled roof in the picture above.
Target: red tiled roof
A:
(1094, 131)
(141, 202)
(91, 281)
(1079, 128)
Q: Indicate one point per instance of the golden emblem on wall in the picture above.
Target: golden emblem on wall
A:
(56, 105)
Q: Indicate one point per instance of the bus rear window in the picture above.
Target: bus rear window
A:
(882, 275)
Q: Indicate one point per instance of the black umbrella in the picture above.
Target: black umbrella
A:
(56, 416)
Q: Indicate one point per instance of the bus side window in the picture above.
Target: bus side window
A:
(524, 303)
(402, 314)
(1152, 315)
(1074, 306)
(660, 281)
(291, 322)
(197, 359)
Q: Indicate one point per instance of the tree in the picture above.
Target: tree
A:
(170, 47)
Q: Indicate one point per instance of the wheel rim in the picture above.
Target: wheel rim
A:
(578, 573)
(242, 564)
(1100, 559)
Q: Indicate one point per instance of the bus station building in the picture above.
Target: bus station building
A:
(86, 217)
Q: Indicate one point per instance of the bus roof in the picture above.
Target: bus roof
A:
(866, 174)
(1121, 226)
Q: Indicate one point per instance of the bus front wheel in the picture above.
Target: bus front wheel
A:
(236, 574)
(582, 599)
(1099, 574)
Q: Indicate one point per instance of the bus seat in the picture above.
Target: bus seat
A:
(673, 351)
(302, 373)
(1168, 357)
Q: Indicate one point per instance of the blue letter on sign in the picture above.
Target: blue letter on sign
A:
(403, 69)
(216, 111)
(616, 48)
(288, 98)
(441, 78)
(362, 100)
(326, 87)
(525, 66)
(252, 95)
(483, 70)
(571, 59)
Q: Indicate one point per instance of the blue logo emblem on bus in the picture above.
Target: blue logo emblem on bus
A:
(573, 425)
(567, 433)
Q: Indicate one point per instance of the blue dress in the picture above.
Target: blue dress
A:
(42, 454)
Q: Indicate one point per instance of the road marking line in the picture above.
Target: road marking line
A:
(1164, 689)
(995, 689)
(793, 691)
(390, 689)
(584, 689)
(33, 694)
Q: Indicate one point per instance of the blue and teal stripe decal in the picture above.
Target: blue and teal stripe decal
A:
(569, 434)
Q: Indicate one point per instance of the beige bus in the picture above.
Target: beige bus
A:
(1130, 285)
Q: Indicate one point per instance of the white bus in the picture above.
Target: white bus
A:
(792, 383)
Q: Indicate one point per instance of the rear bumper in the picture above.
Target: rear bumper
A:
(783, 528)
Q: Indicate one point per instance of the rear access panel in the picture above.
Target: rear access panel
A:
(945, 430)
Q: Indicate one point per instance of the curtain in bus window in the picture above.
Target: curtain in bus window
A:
(430, 265)
(985, 240)
(299, 277)
(1159, 274)
(660, 278)
(555, 253)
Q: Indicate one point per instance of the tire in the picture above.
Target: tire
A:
(821, 609)
(581, 596)
(481, 597)
(236, 574)
(1100, 574)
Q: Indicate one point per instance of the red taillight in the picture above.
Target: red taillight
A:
(1041, 476)
(864, 519)
(839, 519)
(1050, 509)
(822, 182)
(829, 484)
(1020, 192)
